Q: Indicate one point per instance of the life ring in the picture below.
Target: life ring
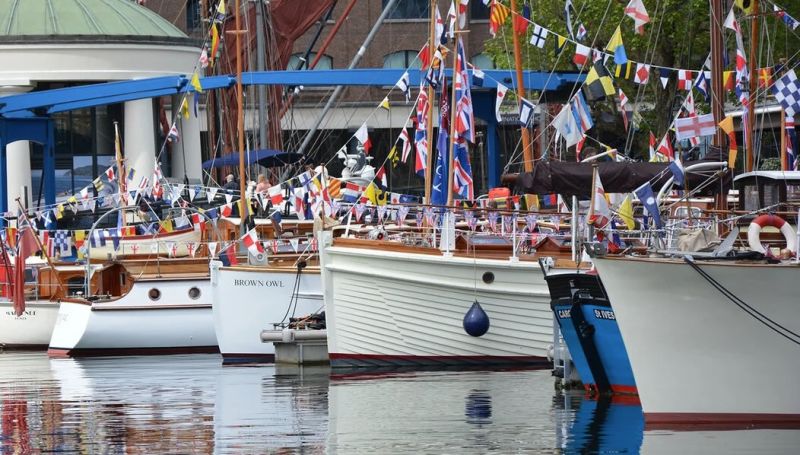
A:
(754, 232)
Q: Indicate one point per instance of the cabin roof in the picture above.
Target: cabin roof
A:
(773, 175)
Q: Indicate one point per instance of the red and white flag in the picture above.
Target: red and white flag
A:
(363, 137)
(501, 95)
(581, 54)
(665, 147)
(250, 240)
(652, 146)
(697, 125)
(406, 145)
(642, 73)
(636, 11)
(110, 174)
(275, 194)
(685, 80)
(198, 223)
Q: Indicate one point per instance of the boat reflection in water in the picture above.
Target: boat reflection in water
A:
(192, 404)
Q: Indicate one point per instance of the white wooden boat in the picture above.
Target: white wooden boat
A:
(247, 299)
(698, 358)
(149, 313)
(392, 305)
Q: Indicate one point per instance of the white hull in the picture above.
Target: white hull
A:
(137, 325)
(148, 244)
(696, 356)
(30, 330)
(249, 299)
(401, 308)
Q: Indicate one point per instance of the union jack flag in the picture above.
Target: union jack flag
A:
(464, 117)
(462, 171)
(791, 145)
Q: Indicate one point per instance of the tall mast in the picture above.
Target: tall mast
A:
(718, 95)
(240, 115)
(526, 138)
(751, 121)
(121, 171)
(429, 107)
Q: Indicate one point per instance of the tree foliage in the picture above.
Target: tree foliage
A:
(676, 37)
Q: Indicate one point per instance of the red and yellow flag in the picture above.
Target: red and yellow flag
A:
(497, 17)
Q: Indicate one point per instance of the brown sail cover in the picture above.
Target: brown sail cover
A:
(575, 179)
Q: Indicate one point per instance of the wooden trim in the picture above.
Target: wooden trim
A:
(114, 307)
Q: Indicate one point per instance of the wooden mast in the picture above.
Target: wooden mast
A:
(526, 137)
(429, 108)
(121, 171)
(717, 93)
(751, 121)
(240, 115)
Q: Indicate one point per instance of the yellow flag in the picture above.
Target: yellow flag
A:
(745, 5)
(385, 103)
(532, 202)
(221, 8)
(616, 41)
(72, 200)
(727, 125)
(185, 107)
(376, 195)
(625, 212)
(196, 83)
(166, 226)
(732, 157)
(393, 157)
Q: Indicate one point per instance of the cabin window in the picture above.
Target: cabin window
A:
(751, 197)
(792, 193)
(296, 61)
(154, 294)
(75, 285)
(401, 60)
(409, 9)
(771, 195)
(194, 293)
(483, 61)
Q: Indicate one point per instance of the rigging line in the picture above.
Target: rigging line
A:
(754, 313)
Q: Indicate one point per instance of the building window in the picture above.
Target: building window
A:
(193, 19)
(478, 11)
(401, 60)
(483, 61)
(296, 61)
(409, 9)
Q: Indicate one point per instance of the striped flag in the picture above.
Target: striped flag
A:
(497, 17)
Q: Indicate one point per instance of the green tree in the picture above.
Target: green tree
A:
(676, 37)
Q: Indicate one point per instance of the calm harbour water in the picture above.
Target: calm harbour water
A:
(191, 404)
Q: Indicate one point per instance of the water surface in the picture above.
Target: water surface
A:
(191, 404)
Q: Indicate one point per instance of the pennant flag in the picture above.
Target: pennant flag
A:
(539, 36)
(626, 71)
(385, 103)
(173, 135)
(625, 211)
(525, 112)
(792, 156)
(599, 213)
(616, 46)
(214, 43)
(477, 76)
(404, 85)
(196, 83)
(693, 126)
(561, 41)
(406, 145)
(598, 83)
(581, 54)
(219, 17)
(665, 147)
(745, 5)
(636, 11)
(204, 57)
(185, 107)
(623, 107)
(501, 95)
(212, 248)
(663, 74)
(642, 73)
(521, 21)
(363, 137)
(678, 173)
(497, 17)
(568, 8)
(652, 146)
(228, 257)
(787, 93)
(110, 174)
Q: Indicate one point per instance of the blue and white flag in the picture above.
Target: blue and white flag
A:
(648, 200)
(525, 112)
(477, 77)
(678, 173)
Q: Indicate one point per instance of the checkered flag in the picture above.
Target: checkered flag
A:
(787, 92)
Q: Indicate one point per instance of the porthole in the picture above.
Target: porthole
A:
(194, 293)
(488, 277)
(154, 294)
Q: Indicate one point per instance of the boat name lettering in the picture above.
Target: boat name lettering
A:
(260, 283)
(22, 316)
(563, 314)
(605, 314)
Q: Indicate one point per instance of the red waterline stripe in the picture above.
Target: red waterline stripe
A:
(719, 421)
(625, 389)
(65, 352)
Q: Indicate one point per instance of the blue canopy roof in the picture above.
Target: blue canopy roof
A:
(264, 157)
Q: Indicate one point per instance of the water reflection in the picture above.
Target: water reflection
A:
(191, 404)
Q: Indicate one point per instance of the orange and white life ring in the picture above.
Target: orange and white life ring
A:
(754, 232)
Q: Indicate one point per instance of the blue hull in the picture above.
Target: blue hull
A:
(589, 327)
